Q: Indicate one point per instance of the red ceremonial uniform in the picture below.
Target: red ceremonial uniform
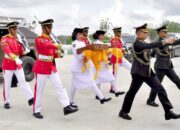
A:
(45, 47)
(9, 45)
(85, 40)
(116, 43)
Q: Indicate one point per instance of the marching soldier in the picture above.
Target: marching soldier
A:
(163, 65)
(12, 64)
(116, 42)
(85, 38)
(142, 72)
(44, 69)
(82, 79)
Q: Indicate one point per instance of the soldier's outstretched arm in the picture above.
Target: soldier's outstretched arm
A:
(143, 46)
(177, 42)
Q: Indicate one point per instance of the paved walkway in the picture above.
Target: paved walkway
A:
(92, 115)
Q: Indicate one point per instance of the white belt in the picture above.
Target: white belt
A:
(7, 57)
(44, 57)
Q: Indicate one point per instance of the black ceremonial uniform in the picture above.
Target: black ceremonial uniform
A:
(163, 67)
(141, 72)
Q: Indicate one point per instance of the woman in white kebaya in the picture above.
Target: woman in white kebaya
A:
(81, 79)
(104, 74)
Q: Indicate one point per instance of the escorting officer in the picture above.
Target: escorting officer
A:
(44, 69)
(141, 72)
(163, 65)
(82, 79)
(85, 38)
(12, 64)
(116, 42)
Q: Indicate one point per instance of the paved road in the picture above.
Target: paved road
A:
(92, 115)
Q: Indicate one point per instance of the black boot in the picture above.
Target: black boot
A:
(7, 106)
(124, 116)
(171, 115)
(152, 103)
(69, 110)
(102, 101)
(38, 115)
(119, 93)
(30, 101)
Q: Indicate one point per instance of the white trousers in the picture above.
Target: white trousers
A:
(94, 88)
(39, 88)
(113, 85)
(125, 63)
(21, 80)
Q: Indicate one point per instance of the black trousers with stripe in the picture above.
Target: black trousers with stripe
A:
(152, 82)
(161, 73)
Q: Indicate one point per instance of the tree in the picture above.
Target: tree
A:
(65, 39)
(172, 26)
(152, 34)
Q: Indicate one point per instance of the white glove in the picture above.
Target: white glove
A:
(18, 61)
(27, 50)
(62, 54)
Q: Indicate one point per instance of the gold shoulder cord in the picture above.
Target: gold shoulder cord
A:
(159, 51)
(145, 54)
(138, 59)
(141, 61)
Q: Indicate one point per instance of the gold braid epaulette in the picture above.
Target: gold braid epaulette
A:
(141, 61)
(138, 59)
(159, 51)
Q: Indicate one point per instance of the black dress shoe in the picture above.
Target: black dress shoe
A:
(97, 98)
(13, 85)
(124, 116)
(119, 93)
(171, 115)
(69, 110)
(111, 91)
(73, 104)
(30, 101)
(178, 87)
(102, 101)
(152, 103)
(38, 115)
(7, 106)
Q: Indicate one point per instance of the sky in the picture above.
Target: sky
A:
(69, 14)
